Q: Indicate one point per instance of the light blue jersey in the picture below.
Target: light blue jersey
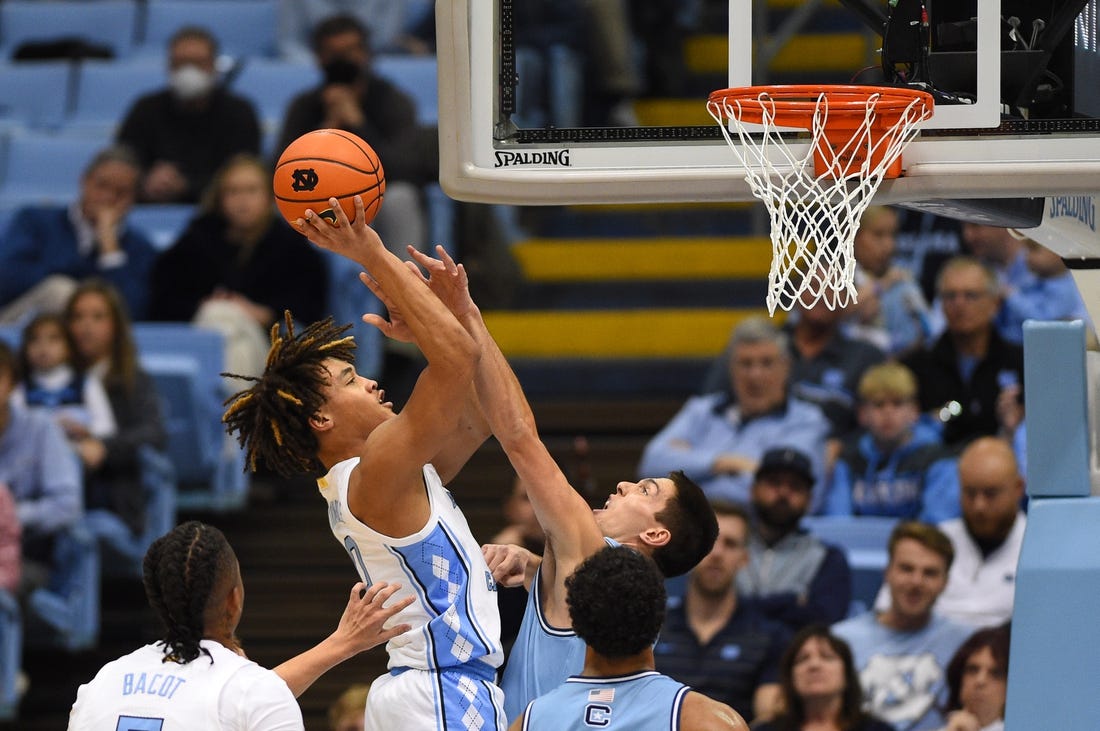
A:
(903, 674)
(542, 657)
(645, 701)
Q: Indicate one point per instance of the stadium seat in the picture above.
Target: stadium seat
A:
(34, 94)
(416, 76)
(11, 654)
(863, 540)
(348, 301)
(65, 613)
(105, 91)
(270, 85)
(44, 168)
(244, 28)
(108, 22)
(162, 223)
(185, 362)
(121, 552)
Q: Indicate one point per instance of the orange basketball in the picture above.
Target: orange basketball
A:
(328, 163)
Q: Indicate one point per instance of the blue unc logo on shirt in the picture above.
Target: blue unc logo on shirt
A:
(833, 378)
(730, 652)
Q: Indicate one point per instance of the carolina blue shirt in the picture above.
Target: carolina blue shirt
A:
(1052, 298)
(644, 701)
(905, 316)
(543, 655)
(918, 480)
(903, 674)
(42, 471)
(712, 426)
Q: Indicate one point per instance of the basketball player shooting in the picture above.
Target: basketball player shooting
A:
(666, 518)
(383, 479)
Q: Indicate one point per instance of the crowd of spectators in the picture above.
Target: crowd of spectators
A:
(908, 406)
(893, 409)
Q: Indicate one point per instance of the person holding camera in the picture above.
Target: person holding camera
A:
(354, 99)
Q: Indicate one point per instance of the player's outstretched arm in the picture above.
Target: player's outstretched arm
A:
(429, 322)
(700, 713)
(472, 428)
(398, 448)
(564, 515)
(360, 628)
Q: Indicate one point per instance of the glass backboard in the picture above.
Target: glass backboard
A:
(529, 113)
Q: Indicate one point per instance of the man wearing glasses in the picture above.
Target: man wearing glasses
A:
(970, 379)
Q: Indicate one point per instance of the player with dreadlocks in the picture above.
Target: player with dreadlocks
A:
(383, 477)
(197, 676)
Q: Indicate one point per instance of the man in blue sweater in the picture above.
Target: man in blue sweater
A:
(48, 249)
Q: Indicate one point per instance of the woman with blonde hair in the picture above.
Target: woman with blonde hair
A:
(238, 266)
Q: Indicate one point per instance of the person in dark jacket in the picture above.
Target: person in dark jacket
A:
(354, 99)
(238, 266)
(970, 380)
(186, 132)
(100, 326)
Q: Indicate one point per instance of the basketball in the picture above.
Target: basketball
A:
(328, 163)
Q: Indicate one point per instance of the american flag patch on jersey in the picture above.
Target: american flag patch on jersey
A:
(605, 695)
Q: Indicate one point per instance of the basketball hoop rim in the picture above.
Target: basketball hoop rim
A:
(845, 101)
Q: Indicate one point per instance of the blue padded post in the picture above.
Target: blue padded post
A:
(1053, 661)
(1054, 629)
(1057, 409)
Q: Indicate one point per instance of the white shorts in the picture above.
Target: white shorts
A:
(434, 701)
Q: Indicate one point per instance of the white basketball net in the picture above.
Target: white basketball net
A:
(814, 218)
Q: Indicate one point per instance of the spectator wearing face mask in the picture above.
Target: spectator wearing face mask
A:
(184, 133)
(354, 99)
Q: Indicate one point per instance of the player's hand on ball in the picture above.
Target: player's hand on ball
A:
(351, 239)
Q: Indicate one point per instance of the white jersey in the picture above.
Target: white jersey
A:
(219, 692)
(455, 621)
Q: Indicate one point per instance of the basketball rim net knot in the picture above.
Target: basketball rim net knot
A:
(816, 195)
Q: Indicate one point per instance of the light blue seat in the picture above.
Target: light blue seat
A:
(105, 91)
(34, 94)
(162, 223)
(109, 22)
(121, 552)
(863, 540)
(244, 28)
(11, 654)
(270, 85)
(418, 77)
(65, 613)
(348, 301)
(185, 362)
(45, 168)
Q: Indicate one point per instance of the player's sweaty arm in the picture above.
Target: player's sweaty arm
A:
(396, 451)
